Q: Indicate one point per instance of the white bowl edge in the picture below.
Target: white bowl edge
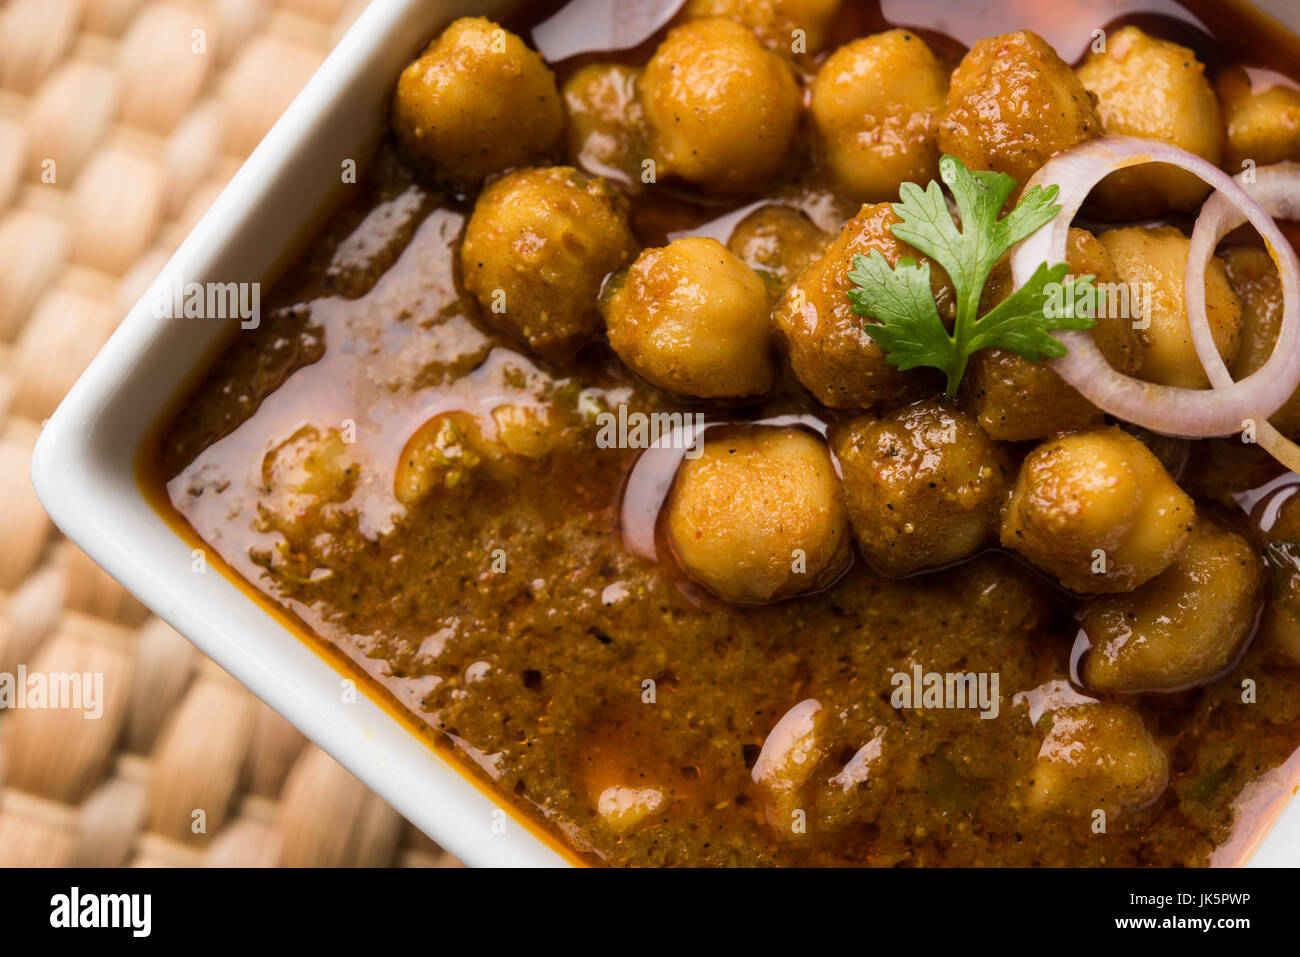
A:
(83, 466)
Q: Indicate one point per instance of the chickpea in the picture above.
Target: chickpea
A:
(1116, 332)
(453, 448)
(758, 515)
(1174, 453)
(774, 21)
(529, 431)
(1285, 526)
(477, 101)
(778, 242)
(536, 249)
(722, 110)
(923, 486)
(1280, 626)
(1012, 104)
(305, 473)
(1182, 628)
(692, 318)
(875, 111)
(1097, 757)
(834, 359)
(1254, 278)
(1152, 261)
(1014, 399)
(1157, 90)
(443, 453)
(1219, 470)
(606, 124)
(1097, 510)
(1261, 125)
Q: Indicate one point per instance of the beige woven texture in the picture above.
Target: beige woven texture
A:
(115, 136)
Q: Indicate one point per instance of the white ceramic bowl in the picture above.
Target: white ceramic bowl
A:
(84, 463)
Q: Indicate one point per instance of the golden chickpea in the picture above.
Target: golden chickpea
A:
(834, 359)
(778, 242)
(1097, 757)
(1174, 453)
(774, 21)
(1219, 470)
(1117, 331)
(452, 449)
(536, 249)
(1015, 399)
(1280, 624)
(308, 471)
(1254, 278)
(1182, 628)
(923, 486)
(444, 453)
(477, 101)
(1285, 526)
(1157, 90)
(1012, 104)
(1262, 125)
(875, 111)
(529, 431)
(722, 110)
(1152, 261)
(758, 515)
(606, 125)
(1097, 510)
(692, 318)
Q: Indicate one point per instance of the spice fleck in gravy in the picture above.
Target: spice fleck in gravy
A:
(529, 614)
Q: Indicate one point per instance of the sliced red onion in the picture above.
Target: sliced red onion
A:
(592, 26)
(1189, 413)
(1277, 190)
(722, 226)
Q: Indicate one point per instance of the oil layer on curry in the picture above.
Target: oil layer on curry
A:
(851, 622)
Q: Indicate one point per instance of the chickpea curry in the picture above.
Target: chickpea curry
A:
(585, 430)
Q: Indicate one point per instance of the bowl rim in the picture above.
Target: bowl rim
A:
(87, 484)
(84, 472)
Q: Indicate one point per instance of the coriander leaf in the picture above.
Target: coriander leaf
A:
(928, 226)
(980, 196)
(968, 253)
(1036, 208)
(1022, 322)
(908, 326)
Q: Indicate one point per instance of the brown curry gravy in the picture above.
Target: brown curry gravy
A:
(533, 678)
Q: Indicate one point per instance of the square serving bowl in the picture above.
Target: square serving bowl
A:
(84, 466)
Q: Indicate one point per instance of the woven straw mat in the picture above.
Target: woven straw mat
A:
(140, 134)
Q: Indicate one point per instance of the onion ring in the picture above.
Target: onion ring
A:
(1277, 189)
(590, 26)
(1187, 413)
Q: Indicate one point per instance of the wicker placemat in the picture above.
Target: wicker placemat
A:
(120, 121)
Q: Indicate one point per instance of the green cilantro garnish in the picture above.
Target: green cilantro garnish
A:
(908, 326)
